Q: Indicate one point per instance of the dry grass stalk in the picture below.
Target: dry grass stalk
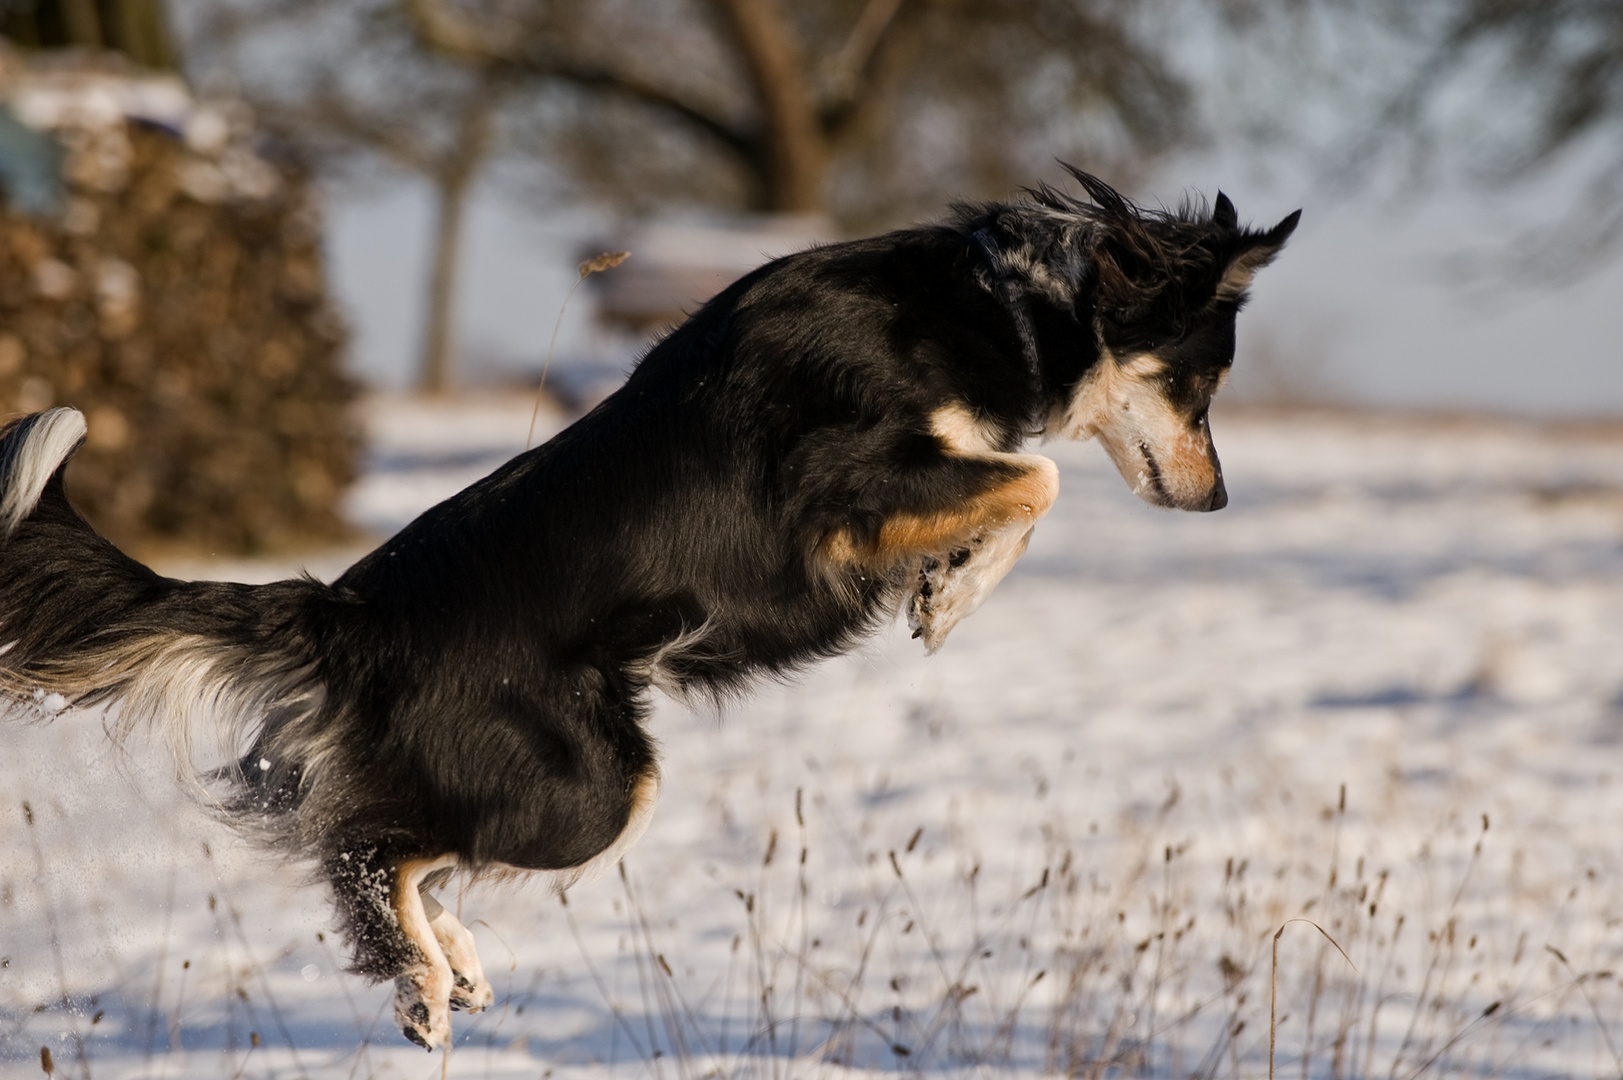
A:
(608, 260)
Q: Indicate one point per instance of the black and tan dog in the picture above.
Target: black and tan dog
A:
(836, 435)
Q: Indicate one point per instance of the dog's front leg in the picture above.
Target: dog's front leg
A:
(950, 585)
(956, 551)
(984, 538)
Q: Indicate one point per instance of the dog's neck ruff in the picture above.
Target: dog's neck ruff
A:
(1006, 286)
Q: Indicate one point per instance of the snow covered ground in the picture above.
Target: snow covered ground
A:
(1382, 691)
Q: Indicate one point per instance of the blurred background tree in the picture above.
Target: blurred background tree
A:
(868, 110)
(349, 87)
(1516, 90)
(865, 112)
(139, 29)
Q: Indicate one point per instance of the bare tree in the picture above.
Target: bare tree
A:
(137, 28)
(369, 93)
(862, 107)
(866, 109)
(1548, 79)
(453, 171)
(450, 158)
(1501, 94)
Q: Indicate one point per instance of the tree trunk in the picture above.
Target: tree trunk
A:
(82, 23)
(451, 190)
(794, 152)
(137, 28)
(453, 178)
(142, 32)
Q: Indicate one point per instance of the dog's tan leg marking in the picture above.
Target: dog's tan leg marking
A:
(422, 993)
(959, 554)
(450, 975)
(644, 797)
(470, 990)
(1018, 502)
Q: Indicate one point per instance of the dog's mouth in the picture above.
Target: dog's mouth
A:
(1152, 475)
(1154, 485)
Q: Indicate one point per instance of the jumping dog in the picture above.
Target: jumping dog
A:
(835, 437)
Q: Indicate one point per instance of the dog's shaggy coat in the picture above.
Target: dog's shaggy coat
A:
(835, 435)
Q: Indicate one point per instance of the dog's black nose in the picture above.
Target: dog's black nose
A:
(1220, 496)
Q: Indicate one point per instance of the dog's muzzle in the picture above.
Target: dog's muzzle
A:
(1173, 490)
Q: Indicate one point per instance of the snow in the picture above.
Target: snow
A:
(1382, 690)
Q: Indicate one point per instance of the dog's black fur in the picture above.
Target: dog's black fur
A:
(476, 687)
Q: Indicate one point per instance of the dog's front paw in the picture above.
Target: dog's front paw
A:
(921, 598)
(422, 1006)
(950, 586)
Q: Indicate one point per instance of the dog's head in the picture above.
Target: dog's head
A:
(1166, 287)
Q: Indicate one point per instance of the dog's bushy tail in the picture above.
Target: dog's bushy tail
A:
(83, 624)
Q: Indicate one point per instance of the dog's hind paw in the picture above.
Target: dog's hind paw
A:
(471, 994)
(470, 990)
(422, 1007)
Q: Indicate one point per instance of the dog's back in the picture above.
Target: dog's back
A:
(690, 505)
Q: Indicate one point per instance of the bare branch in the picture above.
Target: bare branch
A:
(851, 66)
(793, 144)
(328, 112)
(631, 85)
(451, 35)
(872, 85)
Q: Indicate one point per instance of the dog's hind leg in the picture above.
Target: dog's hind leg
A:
(422, 990)
(470, 991)
(381, 901)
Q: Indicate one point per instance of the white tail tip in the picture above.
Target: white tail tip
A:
(33, 451)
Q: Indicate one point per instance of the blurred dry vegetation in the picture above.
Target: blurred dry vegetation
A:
(172, 289)
(197, 338)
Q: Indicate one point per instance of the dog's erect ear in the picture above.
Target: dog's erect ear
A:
(1223, 213)
(1257, 251)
